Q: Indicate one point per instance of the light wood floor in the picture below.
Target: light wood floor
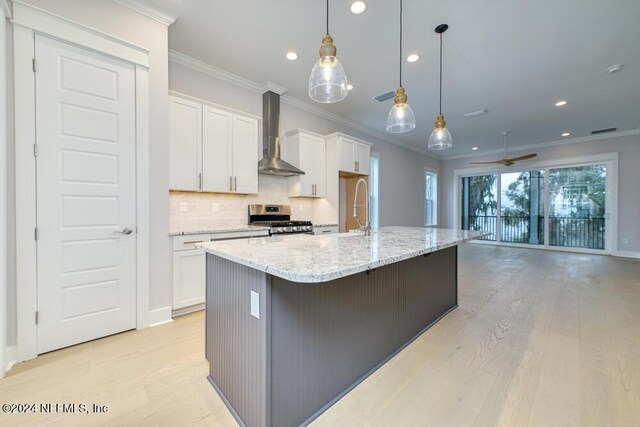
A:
(540, 339)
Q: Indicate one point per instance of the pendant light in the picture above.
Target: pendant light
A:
(400, 118)
(440, 138)
(328, 81)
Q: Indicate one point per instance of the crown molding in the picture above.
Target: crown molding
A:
(148, 11)
(6, 8)
(589, 138)
(226, 76)
(270, 86)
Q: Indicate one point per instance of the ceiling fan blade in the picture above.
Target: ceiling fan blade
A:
(525, 157)
(487, 163)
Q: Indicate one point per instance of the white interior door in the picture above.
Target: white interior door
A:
(85, 126)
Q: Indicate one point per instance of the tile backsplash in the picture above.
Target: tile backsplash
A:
(201, 211)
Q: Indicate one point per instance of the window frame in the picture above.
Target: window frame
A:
(433, 175)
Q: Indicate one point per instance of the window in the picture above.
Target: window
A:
(374, 189)
(431, 206)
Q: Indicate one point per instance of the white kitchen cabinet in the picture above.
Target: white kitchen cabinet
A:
(362, 158)
(306, 150)
(245, 154)
(353, 154)
(189, 267)
(325, 229)
(213, 149)
(217, 143)
(185, 148)
(189, 276)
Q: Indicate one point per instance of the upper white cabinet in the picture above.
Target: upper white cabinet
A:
(353, 154)
(213, 149)
(217, 143)
(306, 150)
(185, 149)
(245, 154)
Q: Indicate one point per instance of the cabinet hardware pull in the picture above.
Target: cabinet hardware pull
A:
(235, 185)
(200, 180)
(230, 183)
(191, 242)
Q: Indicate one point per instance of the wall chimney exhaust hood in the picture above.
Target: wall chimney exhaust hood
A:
(271, 163)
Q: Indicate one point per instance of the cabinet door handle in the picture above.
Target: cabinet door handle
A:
(235, 183)
(200, 181)
(313, 189)
(230, 183)
(192, 242)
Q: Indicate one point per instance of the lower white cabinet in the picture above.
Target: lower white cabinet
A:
(325, 229)
(189, 274)
(190, 265)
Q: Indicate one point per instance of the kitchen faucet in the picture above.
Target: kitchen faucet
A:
(366, 228)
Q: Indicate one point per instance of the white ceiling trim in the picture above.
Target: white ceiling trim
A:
(598, 137)
(226, 76)
(6, 9)
(148, 11)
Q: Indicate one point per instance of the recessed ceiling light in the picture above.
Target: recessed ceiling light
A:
(561, 103)
(349, 86)
(291, 56)
(474, 148)
(358, 7)
(414, 57)
(566, 134)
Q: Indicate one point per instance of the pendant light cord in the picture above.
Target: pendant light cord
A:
(400, 43)
(327, 16)
(440, 73)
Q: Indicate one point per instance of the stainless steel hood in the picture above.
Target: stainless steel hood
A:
(271, 163)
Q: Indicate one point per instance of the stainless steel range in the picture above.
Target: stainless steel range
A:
(278, 219)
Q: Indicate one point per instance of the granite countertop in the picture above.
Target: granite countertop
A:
(216, 230)
(321, 258)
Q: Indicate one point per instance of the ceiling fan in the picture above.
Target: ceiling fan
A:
(507, 161)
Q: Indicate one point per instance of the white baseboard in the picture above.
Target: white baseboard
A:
(10, 357)
(187, 310)
(627, 254)
(160, 316)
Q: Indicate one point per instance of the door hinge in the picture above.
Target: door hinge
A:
(37, 317)
(35, 150)
(35, 234)
(33, 63)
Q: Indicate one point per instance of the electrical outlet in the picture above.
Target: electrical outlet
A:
(255, 304)
(625, 241)
(216, 207)
(183, 207)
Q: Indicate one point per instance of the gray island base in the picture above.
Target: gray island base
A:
(306, 343)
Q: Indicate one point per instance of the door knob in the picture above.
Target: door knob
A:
(125, 230)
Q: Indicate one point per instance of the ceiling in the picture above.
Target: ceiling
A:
(515, 58)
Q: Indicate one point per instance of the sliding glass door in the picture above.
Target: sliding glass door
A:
(553, 207)
(522, 207)
(480, 204)
(577, 207)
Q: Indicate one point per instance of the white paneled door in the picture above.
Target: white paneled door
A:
(85, 126)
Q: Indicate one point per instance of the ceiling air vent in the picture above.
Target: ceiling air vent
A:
(384, 96)
(596, 132)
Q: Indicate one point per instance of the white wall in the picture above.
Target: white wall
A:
(3, 192)
(402, 185)
(121, 22)
(628, 148)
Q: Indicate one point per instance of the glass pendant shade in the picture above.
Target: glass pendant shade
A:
(440, 138)
(328, 81)
(400, 118)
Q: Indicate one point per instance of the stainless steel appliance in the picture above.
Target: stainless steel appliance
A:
(278, 219)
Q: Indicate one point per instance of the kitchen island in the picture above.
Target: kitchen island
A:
(293, 323)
